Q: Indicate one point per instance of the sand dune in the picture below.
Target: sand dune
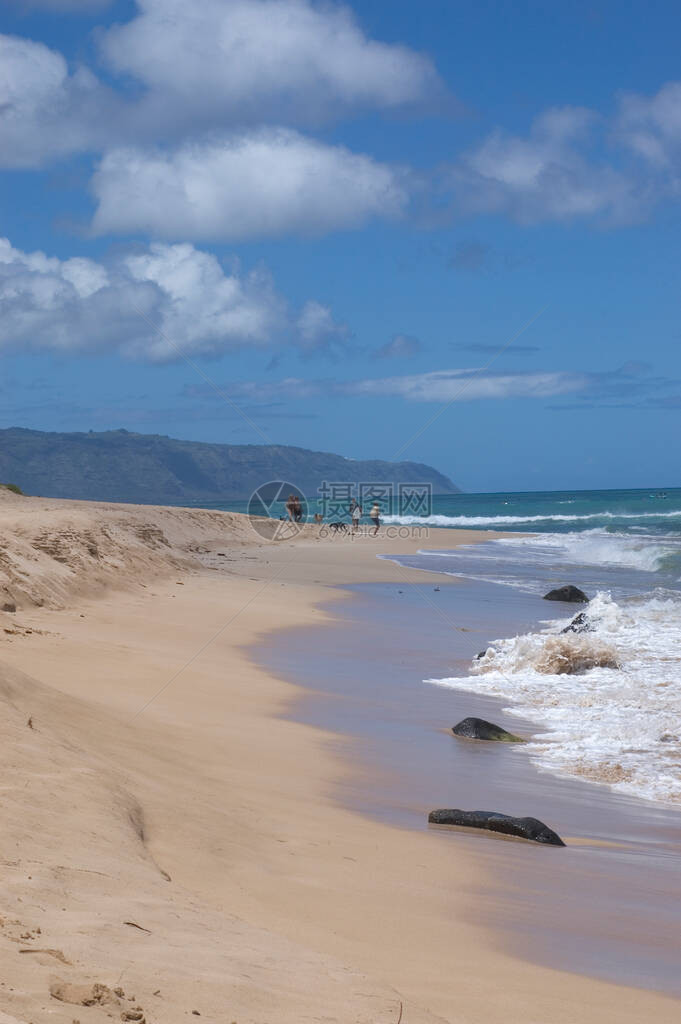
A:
(52, 552)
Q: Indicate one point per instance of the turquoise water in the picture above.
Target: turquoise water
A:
(633, 537)
(628, 542)
(651, 511)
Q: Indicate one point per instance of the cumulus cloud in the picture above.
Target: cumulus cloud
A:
(574, 163)
(268, 183)
(213, 67)
(550, 174)
(400, 346)
(82, 305)
(46, 112)
(205, 80)
(265, 182)
(242, 60)
(318, 331)
(651, 126)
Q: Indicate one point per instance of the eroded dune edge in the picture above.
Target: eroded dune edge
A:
(168, 846)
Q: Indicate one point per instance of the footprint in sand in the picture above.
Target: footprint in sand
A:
(95, 995)
(83, 995)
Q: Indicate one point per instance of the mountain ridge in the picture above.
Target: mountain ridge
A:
(119, 465)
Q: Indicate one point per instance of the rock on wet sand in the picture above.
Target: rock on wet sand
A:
(523, 828)
(479, 729)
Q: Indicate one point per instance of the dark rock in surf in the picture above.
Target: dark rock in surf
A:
(568, 594)
(522, 828)
(479, 729)
(578, 625)
(481, 655)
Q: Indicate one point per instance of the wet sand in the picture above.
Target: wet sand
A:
(608, 905)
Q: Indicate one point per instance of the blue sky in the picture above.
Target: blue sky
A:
(335, 218)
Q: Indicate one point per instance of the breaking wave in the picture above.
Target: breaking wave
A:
(500, 520)
(607, 701)
(598, 547)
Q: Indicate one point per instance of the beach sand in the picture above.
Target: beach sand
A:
(168, 834)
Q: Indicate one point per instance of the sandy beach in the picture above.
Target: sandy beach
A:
(168, 838)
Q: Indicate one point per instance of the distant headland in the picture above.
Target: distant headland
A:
(117, 465)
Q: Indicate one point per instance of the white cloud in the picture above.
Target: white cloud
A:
(436, 386)
(258, 185)
(574, 163)
(400, 346)
(264, 183)
(209, 77)
(549, 175)
(212, 67)
(651, 125)
(203, 310)
(240, 60)
(317, 329)
(464, 385)
(36, 91)
(81, 305)
(46, 112)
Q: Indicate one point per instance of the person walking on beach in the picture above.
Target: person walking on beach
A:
(297, 510)
(290, 507)
(375, 516)
(356, 513)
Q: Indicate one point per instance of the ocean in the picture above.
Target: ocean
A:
(606, 702)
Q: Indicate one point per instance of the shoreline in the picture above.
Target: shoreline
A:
(206, 819)
(405, 762)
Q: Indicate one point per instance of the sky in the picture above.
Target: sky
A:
(446, 232)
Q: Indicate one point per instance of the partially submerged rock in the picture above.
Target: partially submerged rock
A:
(479, 729)
(579, 624)
(568, 594)
(523, 828)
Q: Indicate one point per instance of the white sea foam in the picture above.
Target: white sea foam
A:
(598, 547)
(617, 725)
(590, 547)
(490, 521)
